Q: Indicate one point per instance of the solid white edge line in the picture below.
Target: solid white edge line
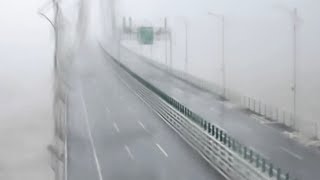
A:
(129, 152)
(108, 110)
(91, 138)
(116, 127)
(162, 150)
(291, 153)
(141, 124)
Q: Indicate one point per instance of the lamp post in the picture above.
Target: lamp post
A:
(168, 35)
(186, 47)
(166, 40)
(223, 67)
(294, 75)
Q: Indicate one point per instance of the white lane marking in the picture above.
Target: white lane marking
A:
(262, 121)
(116, 127)
(142, 125)
(162, 150)
(229, 105)
(108, 110)
(258, 118)
(179, 91)
(129, 152)
(131, 109)
(214, 109)
(291, 153)
(90, 137)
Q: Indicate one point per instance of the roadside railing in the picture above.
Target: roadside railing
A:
(227, 155)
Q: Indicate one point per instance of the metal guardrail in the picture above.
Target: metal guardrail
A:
(232, 159)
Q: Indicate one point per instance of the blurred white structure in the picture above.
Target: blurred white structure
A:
(270, 50)
(26, 93)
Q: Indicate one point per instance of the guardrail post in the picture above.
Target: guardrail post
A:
(251, 155)
(239, 149)
(221, 135)
(217, 133)
(263, 165)
(229, 142)
(257, 160)
(234, 145)
(271, 170)
(287, 176)
(278, 174)
(245, 152)
(209, 128)
(224, 138)
(212, 130)
(205, 125)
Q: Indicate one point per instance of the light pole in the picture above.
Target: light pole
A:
(294, 75)
(223, 67)
(170, 36)
(186, 47)
(54, 24)
(119, 44)
(166, 41)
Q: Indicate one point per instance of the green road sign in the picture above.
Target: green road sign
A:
(145, 35)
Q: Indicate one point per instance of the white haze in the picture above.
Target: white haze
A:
(258, 47)
(26, 59)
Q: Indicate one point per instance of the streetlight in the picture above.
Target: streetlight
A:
(223, 68)
(168, 34)
(166, 40)
(295, 19)
(186, 47)
(294, 75)
(53, 24)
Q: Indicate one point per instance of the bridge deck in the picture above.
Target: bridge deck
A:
(302, 162)
(113, 135)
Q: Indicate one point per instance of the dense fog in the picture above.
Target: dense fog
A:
(259, 48)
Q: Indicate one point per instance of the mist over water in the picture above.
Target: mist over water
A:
(26, 52)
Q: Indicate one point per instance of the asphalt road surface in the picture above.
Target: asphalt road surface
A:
(113, 135)
(302, 162)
